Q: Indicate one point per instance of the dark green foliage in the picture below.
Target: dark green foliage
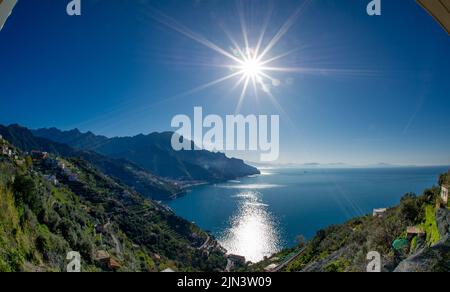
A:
(409, 207)
(445, 179)
(25, 191)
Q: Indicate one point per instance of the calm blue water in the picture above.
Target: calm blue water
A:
(258, 216)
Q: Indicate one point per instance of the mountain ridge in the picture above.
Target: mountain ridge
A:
(153, 152)
(146, 183)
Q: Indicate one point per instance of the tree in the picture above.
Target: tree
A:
(409, 207)
(444, 178)
(25, 191)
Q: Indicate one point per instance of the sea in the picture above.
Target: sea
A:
(258, 216)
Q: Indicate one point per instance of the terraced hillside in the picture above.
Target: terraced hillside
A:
(50, 206)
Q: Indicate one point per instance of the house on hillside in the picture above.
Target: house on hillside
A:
(102, 256)
(5, 150)
(444, 193)
(52, 179)
(73, 178)
(239, 260)
(106, 260)
(379, 212)
(61, 165)
(414, 231)
(20, 162)
(270, 268)
(113, 264)
(38, 155)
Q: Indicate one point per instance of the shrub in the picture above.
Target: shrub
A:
(25, 191)
(409, 208)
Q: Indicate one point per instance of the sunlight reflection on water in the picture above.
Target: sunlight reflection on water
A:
(253, 231)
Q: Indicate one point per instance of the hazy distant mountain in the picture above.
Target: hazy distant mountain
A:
(154, 153)
(129, 173)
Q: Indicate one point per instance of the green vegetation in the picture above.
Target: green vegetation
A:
(430, 225)
(42, 220)
(414, 244)
(343, 248)
(337, 266)
(444, 179)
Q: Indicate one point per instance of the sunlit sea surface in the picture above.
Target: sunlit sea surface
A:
(258, 216)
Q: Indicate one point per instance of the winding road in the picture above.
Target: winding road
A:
(288, 261)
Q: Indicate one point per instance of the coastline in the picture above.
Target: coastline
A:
(229, 209)
(188, 186)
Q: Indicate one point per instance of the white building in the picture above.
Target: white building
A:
(379, 212)
(444, 193)
(5, 150)
(270, 268)
(52, 179)
(6, 7)
(61, 165)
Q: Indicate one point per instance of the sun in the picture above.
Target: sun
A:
(252, 68)
(251, 62)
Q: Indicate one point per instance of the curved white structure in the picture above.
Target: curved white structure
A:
(6, 7)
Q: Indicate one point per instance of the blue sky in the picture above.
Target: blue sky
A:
(379, 92)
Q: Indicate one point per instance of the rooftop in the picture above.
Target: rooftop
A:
(114, 264)
(236, 258)
(270, 267)
(102, 255)
(415, 230)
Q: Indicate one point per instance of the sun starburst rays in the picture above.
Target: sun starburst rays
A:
(250, 62)
(251, 59)
(252, 71)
